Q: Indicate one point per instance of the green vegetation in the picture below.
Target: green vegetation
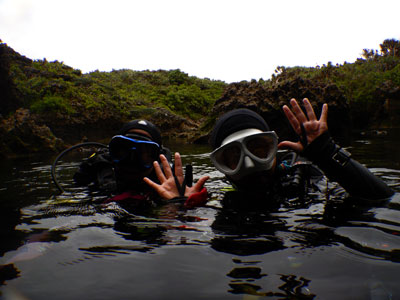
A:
(53, 86)
(52, 104)
(365, 83)
(358, 80)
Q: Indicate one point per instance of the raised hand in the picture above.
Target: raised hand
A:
(167, 189)
(307, 127)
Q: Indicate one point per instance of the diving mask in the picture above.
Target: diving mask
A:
(134, 151)
(246, 152)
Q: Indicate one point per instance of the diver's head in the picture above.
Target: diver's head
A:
(244, 148)
(143, 128)
(135, 148)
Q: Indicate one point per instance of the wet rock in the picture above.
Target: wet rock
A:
(11, 98)
(172, 125)
(267, 100)
(20, 134)
(387, 113)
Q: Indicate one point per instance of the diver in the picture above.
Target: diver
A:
(273, 188)
(134, 157)
(246, 151)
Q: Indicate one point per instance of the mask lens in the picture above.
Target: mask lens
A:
(120, 149)
(123, 154)
(133, 152)
(148, 154)
(261, 146)
(229, 157)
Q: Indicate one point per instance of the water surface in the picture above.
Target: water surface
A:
(72, 246)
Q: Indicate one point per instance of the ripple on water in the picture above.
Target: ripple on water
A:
(371, 241)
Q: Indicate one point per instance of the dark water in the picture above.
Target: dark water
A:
(74, 247)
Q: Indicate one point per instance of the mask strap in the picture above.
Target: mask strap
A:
(138, 136)
(181, 188)
(189, 175)
(303, 139)
(187, 181)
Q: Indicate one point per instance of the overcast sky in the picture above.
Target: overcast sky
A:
(228, 40)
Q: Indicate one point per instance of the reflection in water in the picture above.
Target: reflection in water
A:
(325, 248)
(246, 233)
(8, 272)
(245, 280)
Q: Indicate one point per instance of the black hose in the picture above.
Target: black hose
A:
(53, 166)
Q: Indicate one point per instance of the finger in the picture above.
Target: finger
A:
(298, 111)
(297, 147)
(292, 119)
(178, 167)
(324, 114)
(162, 191)
(159, 172)
(166, 166)
(199, 184)
(197, 187)
(309, 110)
(151, 183)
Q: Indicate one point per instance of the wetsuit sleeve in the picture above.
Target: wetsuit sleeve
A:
(85, 175)
(92, 169)
(338, 166)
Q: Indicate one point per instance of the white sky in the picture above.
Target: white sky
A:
(229, 40)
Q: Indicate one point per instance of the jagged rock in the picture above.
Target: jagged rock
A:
(26, 133)
(21, 135)
(387, 114)
(268, 102)
(173, 125)
(11, 98)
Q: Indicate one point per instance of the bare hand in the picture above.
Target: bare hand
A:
(167, 188)
(313, 128)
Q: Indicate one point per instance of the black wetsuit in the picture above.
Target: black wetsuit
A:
(253, 222)
(98, 173)
(338, 166)
(303, 179)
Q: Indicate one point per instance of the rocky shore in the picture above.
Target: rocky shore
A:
(23, 131)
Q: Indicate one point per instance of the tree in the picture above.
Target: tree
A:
(368, 54)
(390, 47)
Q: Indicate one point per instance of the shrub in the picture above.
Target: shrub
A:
(52, 104)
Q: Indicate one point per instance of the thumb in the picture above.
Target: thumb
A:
(151, 183)
(199, 184)
(298, 147)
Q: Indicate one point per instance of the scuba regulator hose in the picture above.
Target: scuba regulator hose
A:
(53, 166)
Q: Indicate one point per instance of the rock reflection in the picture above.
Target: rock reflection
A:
(8, 272)
(246, 273)
(293, 287)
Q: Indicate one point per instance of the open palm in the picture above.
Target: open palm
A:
(307, 127)
(167, 189)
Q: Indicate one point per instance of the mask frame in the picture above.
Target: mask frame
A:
(242, 166)
(132, 151)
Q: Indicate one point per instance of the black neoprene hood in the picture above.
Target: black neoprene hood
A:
(233, 121)
(143, 125)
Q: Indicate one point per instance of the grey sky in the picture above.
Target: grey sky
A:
(229, 40)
